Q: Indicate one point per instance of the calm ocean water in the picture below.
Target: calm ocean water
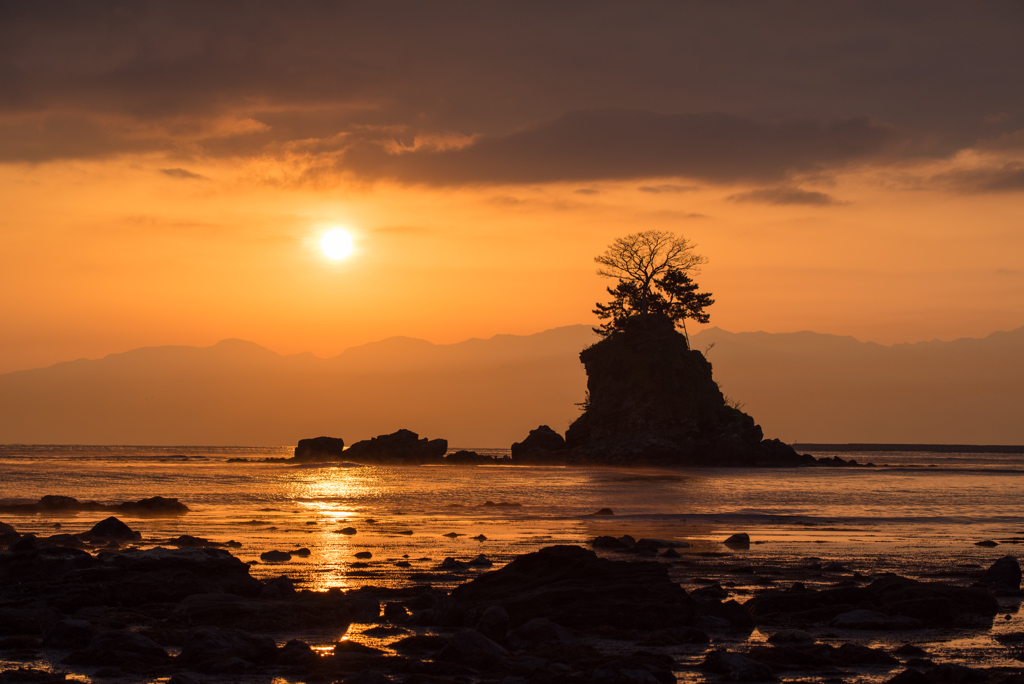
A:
(919, 503)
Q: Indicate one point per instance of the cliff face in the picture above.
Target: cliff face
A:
(653, 401)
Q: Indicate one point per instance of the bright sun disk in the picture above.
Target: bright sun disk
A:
(336, 243)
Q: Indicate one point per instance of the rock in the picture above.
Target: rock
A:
(118, 647)
(278, 588)
(346, 530)
(25, 543)
(604, 511)
(472, 649)
(468, 458)
(575, 588)
(735, 614)
(395, 612)
(687, 635)
(791, 636)
(70, 634)
(653, 401)
(303, 552)
(367, 677)
(112, 528)
(1003, 576)
(402, 447)
(296, 652)
(156, 506)
(671, 553)
(606, 542)
(741, 540)
(363, 554)
(987, 542)
(900, 601)
(206, 646)
(403, 564)
(309, 609)
(542, 446)
(481, 561)
(179, 678)
(540, 631)
(493, 624)
(870, 619)
(319, 450)
(737, 668)
(275, 556)
(450, 563)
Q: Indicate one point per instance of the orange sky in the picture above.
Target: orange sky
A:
(165, 177)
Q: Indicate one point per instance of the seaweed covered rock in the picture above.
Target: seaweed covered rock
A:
(653, 401)
(573, 587)
(319, 450)
(400, 448)
(541, 446)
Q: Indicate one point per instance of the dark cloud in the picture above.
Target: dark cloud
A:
(184, 174)
(658, 189)
(624, 144)
(1006, 178)
(785, 195)
(587, 191)
(103, 78)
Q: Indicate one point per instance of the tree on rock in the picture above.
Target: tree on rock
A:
(652, 268)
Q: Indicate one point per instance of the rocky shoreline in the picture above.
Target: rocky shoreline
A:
(105, 606)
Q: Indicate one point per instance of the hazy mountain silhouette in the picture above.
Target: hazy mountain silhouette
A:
(806, 386)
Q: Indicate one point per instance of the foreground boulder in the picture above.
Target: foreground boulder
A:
(542, 446)
(890, 602)
(70, 579)
(573, 587)
(207, 647)
(1003, 577)
(399, 448)
(319, 450)
(113, 529)
(653, 401)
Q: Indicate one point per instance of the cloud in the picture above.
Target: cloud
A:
(236, 80)
(587, 191)
(1006, 178)
(658, 189)
(184, 174)
(784, 195)
(626, 144)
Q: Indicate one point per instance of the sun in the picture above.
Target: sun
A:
(336, 243)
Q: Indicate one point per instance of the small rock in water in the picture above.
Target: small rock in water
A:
(739, 539)
(987, 542)
(670, 553)
(1003, 577)
(403, 564)
(607, 542)
(405, 532)
(502, 504)
(481, 560)
(311, 522)
(278, 588)
(453, 535)
(112, 528)
(275, 556)
(346, 530)
(452, 564)
(791, 636)
(364, 554)
(395, 612)
(301, 552)
(480, 537)
(604, 511)
(56, 526)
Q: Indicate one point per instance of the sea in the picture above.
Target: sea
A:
(912, 511)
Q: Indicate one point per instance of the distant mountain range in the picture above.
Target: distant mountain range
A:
(801, 386)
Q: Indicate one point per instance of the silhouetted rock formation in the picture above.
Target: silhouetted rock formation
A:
(318, 450)
(156, 506)
(402, 447)
(653, 401)
(575, 588)
(468, 458)
(542, 446)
